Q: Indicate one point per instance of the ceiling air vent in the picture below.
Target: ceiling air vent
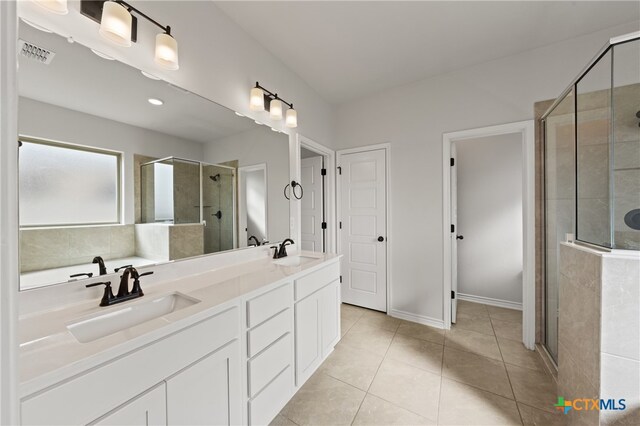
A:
(36, 53)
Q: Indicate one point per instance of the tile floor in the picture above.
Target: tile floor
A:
(386, 371)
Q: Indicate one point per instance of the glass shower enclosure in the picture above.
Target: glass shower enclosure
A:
(592, 165)
(177, 191)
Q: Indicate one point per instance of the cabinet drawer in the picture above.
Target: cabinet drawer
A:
(268, 332)
(77, 402)
(316, 280)
(266, 365)
(267, 305)
(264, 407)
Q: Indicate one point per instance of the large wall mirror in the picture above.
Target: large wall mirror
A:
(116, 165)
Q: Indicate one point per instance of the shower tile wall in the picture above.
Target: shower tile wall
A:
(217, 195)
(186, 192)
(186, 241)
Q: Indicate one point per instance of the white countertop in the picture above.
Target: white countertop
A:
(49, 353)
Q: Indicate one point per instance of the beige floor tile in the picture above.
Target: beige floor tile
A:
(472, 310)
(281, 420)
(478, 324)
(471, 341)
(376, 411)
(374, 319)
(505, 314)
(465, 405)
(324, 400)
(476, 370)
(350, 312)
(423, 332)
(534, 417)
(345, 325)
(507, 329)
(356, 367)
(515, 353)
(369, 339)
(408, 387)
(417, 353)
(531, 387)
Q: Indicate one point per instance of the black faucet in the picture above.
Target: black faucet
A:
(82, 274)
(282, 250)
(123, 291)
(253, 237)
(100, 262)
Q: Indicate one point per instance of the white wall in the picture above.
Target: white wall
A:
(413, 118)
(218, 60)
(490, 217)
(46, 121)
(256, 146)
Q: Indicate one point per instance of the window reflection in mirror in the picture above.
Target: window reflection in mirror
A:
(105, 173)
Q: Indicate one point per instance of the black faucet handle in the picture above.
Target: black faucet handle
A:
(82, 274)
(275, 251)
(107, 297)
(122, 267)
(136, 289)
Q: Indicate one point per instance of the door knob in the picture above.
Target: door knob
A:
(381, 238)
(460, 237)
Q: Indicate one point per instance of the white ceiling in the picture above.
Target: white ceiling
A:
(348, 49)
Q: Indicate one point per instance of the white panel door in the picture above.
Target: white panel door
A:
(363, 239)
(312, 235)
(454, 239)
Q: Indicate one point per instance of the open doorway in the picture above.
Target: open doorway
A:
(489, 229)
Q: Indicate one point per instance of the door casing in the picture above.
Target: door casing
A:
(526, 129)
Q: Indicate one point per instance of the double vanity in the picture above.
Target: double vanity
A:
(228, 345)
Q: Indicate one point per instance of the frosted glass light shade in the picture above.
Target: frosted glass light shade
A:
(167, 52)
(55, 6)
(275, 110)
(292, 118)
(115, 25)
(257, 99)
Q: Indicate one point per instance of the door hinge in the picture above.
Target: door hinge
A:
(341, 278)
(453, 294)
(323, 172)
(453, 228)
(452, 162)
(340, 225)
(324, 225)
(339, 170)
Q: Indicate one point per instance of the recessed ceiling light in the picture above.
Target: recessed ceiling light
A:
(102, 55)
(238, 114)
(151, 76)
(257, 122)
(154, 101)
(275, 130)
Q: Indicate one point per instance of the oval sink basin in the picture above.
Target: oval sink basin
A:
(101, 325)
(295, 260)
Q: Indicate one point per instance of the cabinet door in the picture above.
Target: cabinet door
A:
(147, 409)
(330, 317)
(209, 391)
(307, 337)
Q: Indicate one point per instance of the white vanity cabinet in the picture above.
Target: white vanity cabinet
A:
(147, 409)
(317, 319)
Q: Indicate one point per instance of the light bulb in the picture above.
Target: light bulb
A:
(257, 99)
(115, 25)
(167, 52)
(275, 109)
(292, 118)
(55, 6)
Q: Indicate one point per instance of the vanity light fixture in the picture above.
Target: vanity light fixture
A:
(58, 7)
(119, 26)
(262, 99)
(155, 101)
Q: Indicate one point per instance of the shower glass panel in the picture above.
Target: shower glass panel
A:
(218, 196)
(559, 205)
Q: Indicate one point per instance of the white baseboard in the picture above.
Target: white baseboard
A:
(420, 319)
(489, 301)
